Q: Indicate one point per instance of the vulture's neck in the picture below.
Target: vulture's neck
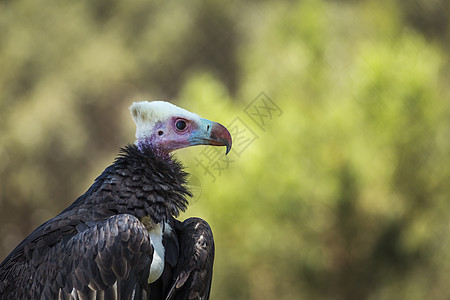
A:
(141, 183)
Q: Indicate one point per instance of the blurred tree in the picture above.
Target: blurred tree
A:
(432, 18)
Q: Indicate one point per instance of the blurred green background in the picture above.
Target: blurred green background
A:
(338, 189)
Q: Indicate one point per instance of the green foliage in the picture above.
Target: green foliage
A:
(343, 194)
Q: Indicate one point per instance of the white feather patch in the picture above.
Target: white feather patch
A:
(157, 265)
(147, 114)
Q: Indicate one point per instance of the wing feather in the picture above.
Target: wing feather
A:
(110, 259)
(193, 273)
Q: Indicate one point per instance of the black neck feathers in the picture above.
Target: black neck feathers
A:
(140, 183)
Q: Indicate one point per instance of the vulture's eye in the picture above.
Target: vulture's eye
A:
(181, 125)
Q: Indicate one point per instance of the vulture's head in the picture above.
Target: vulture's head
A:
(166, 127)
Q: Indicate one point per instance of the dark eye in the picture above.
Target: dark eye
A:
(181, 125)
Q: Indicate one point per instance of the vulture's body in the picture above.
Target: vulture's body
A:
(120, 240)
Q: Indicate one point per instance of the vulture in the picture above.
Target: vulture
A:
(120, 239)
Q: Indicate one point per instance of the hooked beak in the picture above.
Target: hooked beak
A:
(211, 133)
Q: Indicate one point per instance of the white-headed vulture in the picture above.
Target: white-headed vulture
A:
(120, 239)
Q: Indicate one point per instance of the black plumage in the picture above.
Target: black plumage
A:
(194, 268)
(100, 246)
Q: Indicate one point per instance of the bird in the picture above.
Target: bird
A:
(121, 238)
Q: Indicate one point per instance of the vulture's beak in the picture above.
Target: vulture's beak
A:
(211, 133)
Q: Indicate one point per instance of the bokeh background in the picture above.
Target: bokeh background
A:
(338, 186)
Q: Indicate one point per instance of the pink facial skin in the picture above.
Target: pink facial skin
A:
(177, 132)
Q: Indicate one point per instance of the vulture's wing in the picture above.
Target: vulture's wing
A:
(193, 273)
(110, 260)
